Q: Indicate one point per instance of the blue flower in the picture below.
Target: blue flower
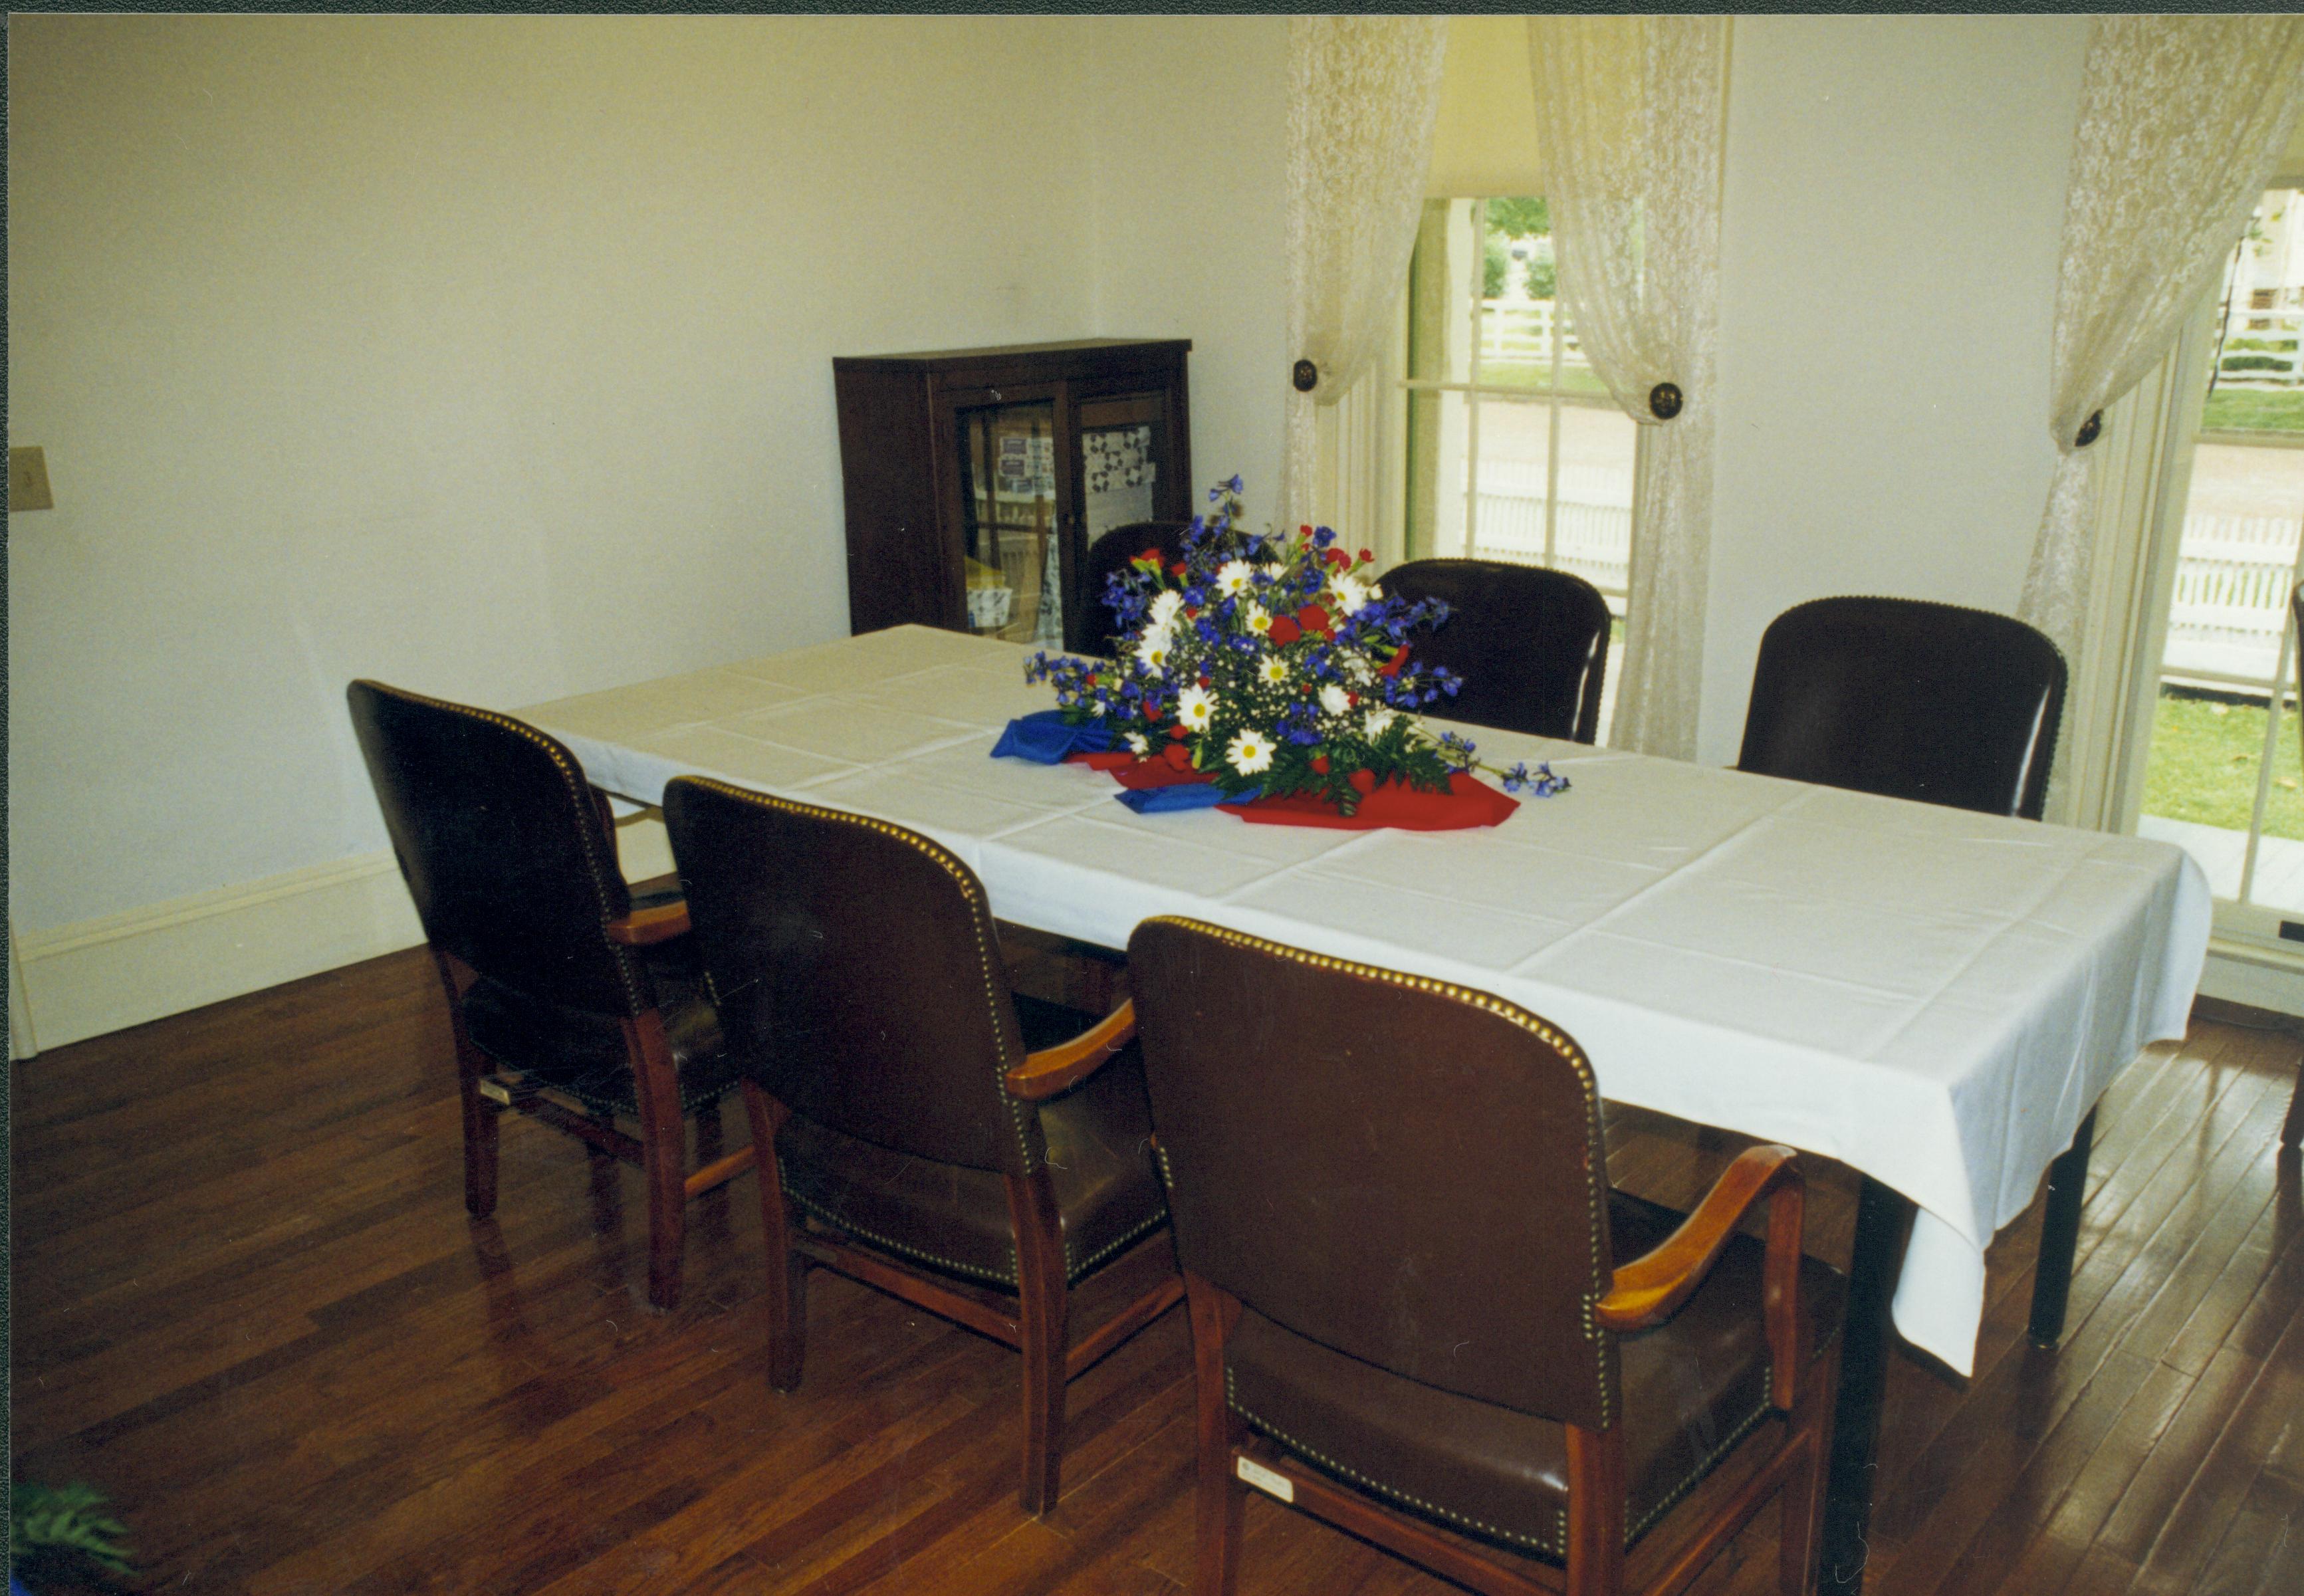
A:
(1322, 537)
(1541, 784)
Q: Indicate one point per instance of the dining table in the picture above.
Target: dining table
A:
(1934, 997)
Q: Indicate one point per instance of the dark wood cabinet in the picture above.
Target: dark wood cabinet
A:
(977, 478)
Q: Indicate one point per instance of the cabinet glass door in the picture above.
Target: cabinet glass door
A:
(1123, 456)
(1008, 509)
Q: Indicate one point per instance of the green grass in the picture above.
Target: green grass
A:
(2203, 759)
(2249, 409)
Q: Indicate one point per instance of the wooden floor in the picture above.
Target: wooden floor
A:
(249, 1306)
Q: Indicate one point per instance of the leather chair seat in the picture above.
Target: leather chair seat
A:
(1691, 1389)
(582, 1053)
(956, 1219)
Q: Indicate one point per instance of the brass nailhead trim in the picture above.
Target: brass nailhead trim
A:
(1487, 1003)
(1554, 1548)
(582, 793)
(888, 1243)
(1550, 1548)
(1695, 1476)
(1074, 1271)
(971, 888)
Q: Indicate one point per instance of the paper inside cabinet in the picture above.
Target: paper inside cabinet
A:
(976, 478)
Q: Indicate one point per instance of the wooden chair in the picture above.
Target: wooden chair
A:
(1530, 643)
(1391, 1202)
(1092, 628)
(571, 1001)
(1908, 699)
(910, 1135)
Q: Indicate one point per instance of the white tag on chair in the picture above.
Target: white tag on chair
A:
(1268, 1481)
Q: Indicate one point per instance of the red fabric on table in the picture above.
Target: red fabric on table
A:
(1133, 773)
(1469, 801)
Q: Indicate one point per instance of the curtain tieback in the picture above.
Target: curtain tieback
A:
(1664, 400)
(1306, 376)
(2088, 432)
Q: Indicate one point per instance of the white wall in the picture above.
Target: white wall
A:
(489, 356)
(1188, 136)
(492, 356)
(1890, 218)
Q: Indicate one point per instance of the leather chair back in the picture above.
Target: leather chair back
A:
(1530, 643)
(503, 845)
(1403, 1170)
(856, 973)
(1908, 699)
(1092, 630)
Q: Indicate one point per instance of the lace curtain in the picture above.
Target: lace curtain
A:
(1629, 109)
(2183, 122)
(1363, 92)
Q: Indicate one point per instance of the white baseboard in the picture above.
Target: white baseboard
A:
(2260, 977)
(99, 975)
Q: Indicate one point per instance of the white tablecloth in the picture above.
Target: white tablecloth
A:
(1932, 997)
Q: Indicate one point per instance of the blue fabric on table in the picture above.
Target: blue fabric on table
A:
(1043, 737)
(1183, 794)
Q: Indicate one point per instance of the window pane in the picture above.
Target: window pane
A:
(1521, 455)
(2225, 695)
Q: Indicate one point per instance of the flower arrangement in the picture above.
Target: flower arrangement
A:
(1275, 666)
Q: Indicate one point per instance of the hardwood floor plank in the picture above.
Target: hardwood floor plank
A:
(249, 1306)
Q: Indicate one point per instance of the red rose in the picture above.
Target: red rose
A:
(1285, 631)
(1150, 556)
(1391, 667)
(1320, 764)
(1177, 754)
(1178, 733)
(1152, 713)
(1312, 619)
(1177, 569)
(1367, 554)
(1338, 557)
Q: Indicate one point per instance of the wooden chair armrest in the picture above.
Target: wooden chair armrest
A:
(1647, 1290)
(1060, 1068)
(644, 927)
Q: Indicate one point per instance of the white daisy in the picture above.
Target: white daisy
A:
(1138, 744)
(1253, 616)
(1377, 719)
(1152, 651)
(1358, 669)
(1334, 699)
(1166, 603)
(1249, 753)
(1195, 708)
(1272, 669)
(1232, 577)
(1350, 592)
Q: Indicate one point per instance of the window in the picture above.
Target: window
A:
(1514, 451)
(2222, 777)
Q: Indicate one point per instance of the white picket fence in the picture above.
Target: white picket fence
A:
(2276, 368)
(2231, 603)
(1521, 330)
(1592, 535)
